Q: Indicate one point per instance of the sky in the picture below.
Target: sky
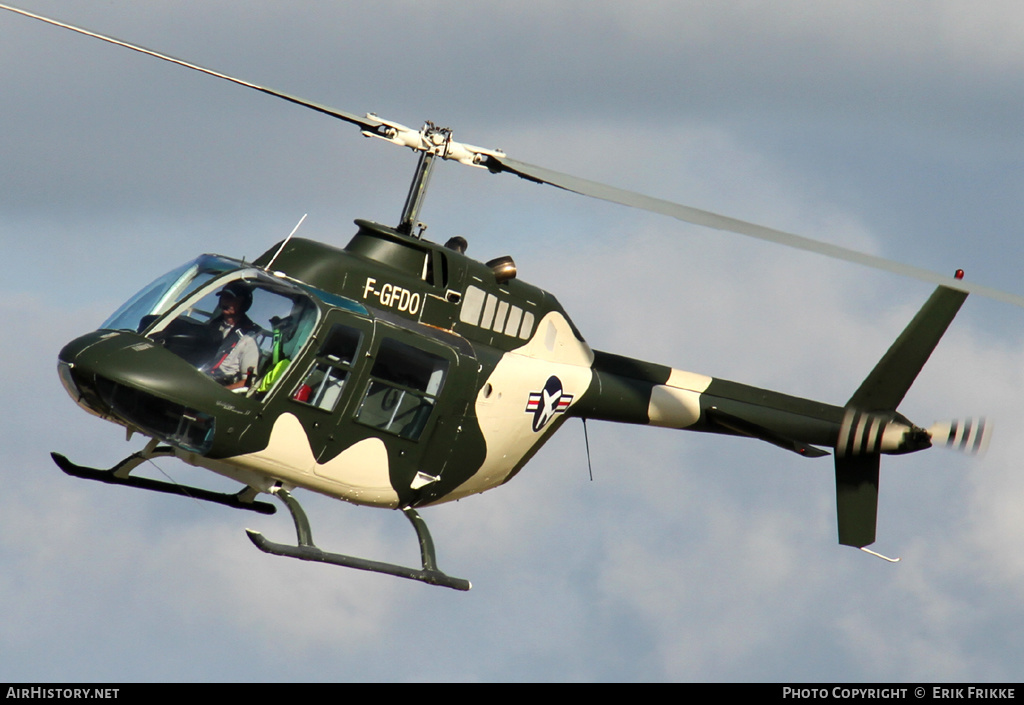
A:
(891, 128)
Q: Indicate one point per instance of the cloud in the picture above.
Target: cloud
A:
(891, 129)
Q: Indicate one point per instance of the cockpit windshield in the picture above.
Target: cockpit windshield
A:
(243, 329)
(158, 297)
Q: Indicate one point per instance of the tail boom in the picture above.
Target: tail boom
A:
(625, 390)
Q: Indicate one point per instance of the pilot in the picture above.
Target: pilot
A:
(238, 355)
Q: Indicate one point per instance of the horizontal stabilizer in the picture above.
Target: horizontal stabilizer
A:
(748, 428)
(966, 435)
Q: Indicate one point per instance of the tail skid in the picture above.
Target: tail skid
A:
(876, 554)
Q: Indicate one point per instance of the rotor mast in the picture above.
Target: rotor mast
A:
(417, 192)
(430, 141)
(420, 181)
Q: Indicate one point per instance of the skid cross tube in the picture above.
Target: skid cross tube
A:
(306, 550)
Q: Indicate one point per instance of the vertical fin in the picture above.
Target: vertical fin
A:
(882, 391)
(885, 387)
(857, 498)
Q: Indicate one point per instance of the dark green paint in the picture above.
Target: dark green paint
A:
(125, 376)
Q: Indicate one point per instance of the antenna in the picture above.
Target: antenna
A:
(586, 440)
(274, 258)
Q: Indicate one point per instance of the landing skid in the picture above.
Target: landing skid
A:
(120, 474)
(307, 551)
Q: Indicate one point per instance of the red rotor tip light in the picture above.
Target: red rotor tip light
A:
(959, 274)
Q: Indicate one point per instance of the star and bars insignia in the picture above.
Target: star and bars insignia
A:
(546, 403)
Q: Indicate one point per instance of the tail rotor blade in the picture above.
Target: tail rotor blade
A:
(966, 435)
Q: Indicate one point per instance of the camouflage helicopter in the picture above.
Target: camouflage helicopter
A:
(399, 373)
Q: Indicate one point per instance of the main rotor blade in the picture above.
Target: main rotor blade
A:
(498, 162)
(363, 122)
(708, 219)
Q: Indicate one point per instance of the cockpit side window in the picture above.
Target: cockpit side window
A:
(323, 384)
(288, 335)
(242, 331)
(404, 384)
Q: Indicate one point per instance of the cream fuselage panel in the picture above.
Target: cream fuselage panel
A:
(676, 404)
(507, 426)
(358, 474)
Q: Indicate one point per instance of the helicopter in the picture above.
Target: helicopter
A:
(399, 373)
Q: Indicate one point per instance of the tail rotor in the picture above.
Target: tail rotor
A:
(970, 435)
(871, 425)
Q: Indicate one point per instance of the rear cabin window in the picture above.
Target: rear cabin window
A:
(403, 388)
